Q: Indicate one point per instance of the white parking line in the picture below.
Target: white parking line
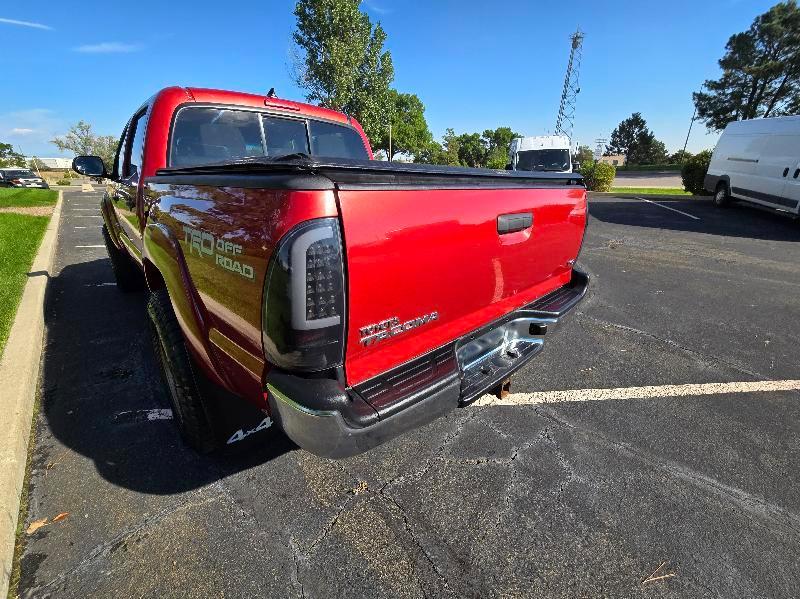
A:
(99, 284)
(90, 246)
(155, 414)
(669, 208)
(659, 391)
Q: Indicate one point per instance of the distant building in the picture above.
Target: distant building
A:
(56, 163)
(614, 159)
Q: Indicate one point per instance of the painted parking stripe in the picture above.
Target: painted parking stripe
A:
(141, 415)
(669, 208)
(659, 391)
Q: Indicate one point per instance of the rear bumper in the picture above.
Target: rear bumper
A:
(329, 421)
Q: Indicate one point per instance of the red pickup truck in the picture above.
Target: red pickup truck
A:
(345, 300)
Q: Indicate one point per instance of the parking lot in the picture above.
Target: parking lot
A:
(686, 489)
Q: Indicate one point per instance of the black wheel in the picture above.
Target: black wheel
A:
(127, 274)
(722, 196)
(189, 410)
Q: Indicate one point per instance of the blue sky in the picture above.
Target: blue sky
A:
(474, 64)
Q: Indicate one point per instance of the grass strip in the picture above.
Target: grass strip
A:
(26, 198)
(663, 191)
(20, 236)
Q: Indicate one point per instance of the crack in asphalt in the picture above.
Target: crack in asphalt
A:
(708, 359)
(108, 547)
(746, 501)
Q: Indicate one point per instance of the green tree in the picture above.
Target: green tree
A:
(637, 142)
(760, 71)
(410, 133)
(80, 140)
(679, 157)
(693, 172)
(445, 153)
(472, 150)
(8, 157)
(582, 154)
(497, 143)
(344, 65)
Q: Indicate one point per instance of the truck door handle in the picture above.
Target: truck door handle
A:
(511, 223)
(786, 171)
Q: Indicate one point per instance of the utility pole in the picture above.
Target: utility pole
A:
(389, 157)
(686, 143)
(569, 95)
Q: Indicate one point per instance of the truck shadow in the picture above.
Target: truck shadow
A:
(738, 220)
(101, 393)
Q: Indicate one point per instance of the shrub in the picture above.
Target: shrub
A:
(64, 182)
(598, 176)
(694, 172)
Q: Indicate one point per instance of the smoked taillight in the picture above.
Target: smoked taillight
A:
(303, 314)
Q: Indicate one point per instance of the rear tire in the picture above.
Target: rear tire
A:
(722, 196)
(189, 409)
(127, 274)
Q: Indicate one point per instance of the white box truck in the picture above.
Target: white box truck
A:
(758, 161)
(540, 153)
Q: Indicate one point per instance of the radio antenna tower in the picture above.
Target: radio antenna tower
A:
(566, 111)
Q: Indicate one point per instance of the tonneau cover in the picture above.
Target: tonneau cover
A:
(348, 173)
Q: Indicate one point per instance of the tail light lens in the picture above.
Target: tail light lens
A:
(303, 317)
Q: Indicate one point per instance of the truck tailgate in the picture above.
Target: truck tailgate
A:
(432, 265)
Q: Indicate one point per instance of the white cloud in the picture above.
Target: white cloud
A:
(31, 130)
(24, 23)
(108, 48)
(377, 8)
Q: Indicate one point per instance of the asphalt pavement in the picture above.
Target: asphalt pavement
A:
(678, 494)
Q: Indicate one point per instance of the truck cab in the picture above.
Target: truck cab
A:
(540, 153)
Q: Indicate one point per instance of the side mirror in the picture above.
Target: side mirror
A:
(90, 166)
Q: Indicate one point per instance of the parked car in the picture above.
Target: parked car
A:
(21, 177)
(758, 161)
(345, 300)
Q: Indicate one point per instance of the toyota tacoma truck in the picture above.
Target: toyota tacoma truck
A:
(296, 283)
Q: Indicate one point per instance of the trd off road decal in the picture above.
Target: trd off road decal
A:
(223, 252)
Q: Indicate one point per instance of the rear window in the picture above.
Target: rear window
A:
(335, 141)
(208, 135)
(19, 174)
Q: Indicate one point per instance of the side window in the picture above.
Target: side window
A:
(133, 161)
(284, 136)
(336, 141)
(208, 135)
(119, 157)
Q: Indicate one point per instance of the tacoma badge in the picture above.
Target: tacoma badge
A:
(390, 327)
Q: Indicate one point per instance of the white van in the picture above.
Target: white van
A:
(540, 153)
(758, 161)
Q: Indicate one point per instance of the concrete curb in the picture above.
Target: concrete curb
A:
(19, 377)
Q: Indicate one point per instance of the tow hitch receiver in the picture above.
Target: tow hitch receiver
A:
(502, 389)
(487, 361)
